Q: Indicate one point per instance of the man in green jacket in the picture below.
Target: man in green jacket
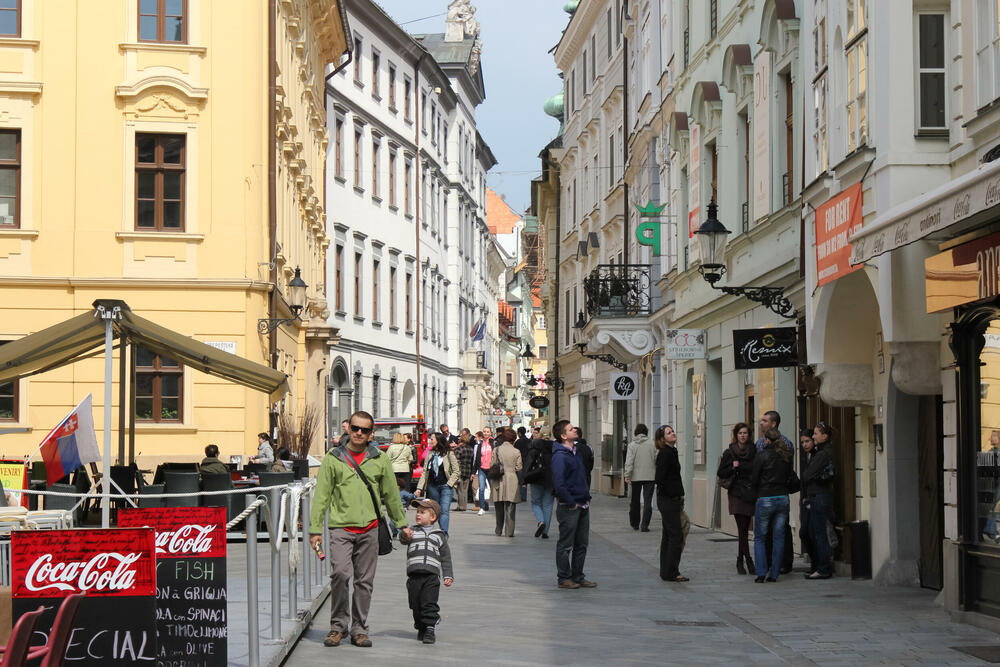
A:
(353, 525)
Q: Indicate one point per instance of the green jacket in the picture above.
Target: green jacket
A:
(339, 488)
(213, 466)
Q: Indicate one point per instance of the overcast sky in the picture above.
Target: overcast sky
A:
(519, 74)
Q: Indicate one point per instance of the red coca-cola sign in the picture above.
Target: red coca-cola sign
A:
(182, 532)
(108, 563)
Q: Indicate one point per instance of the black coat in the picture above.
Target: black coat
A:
(770, 474)
(817, 471)
(741, 488)
(588, 457)
(668, 473)
(540, 450)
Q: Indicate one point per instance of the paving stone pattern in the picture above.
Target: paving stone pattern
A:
(505, 608)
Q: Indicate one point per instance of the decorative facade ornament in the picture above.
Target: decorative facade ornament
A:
(460, 24)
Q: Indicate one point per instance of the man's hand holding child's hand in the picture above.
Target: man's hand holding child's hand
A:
(448, 581)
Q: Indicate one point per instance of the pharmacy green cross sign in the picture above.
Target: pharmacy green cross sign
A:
(650, 210)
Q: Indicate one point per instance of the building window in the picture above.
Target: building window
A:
(392, 88)
(857, 75)
(357, 60)
(357, 158)
(713, 18)
(159, 182)
(407, 181)
(987, 51)
(392, 296)
(407, 95)
(376, 381)
(788, 185)
(819, 44)
(357, 390)
(409, 302)
(376, 59)
(543, 351)
(376, 276)
(392, 396)
(338, 149)
(357, 284)
(585, 80)
(8, 398)
(339, 287)
(931, 72)
(375, 168)
(593, 58)
(610, 26)
(392, 179)
(159, 20)
(10, 20)
(423, 111)
(158, 387)
(10, 178)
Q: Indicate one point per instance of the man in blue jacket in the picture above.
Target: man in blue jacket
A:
(569, 481)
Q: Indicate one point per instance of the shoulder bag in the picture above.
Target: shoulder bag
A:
(495, 471)
(725, 482)
(384, 540)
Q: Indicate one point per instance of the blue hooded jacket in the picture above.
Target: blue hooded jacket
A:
(569, 476)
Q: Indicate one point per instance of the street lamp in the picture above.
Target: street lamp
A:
(527, 354)
(297, 297)
(581, 345)
(712, 242)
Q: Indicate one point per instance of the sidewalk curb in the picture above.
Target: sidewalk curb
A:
(299, 628)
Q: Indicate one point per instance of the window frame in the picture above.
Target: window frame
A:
(376, 277)
(358, 292)
(158, 371)
(338, 149)
(919, 70)
(376, 148)
(358, 51)
(17, 13)
(857, 91)
(376, 62)
(15, 166)
(358, 136)
(408, 298)
(15, 396)
(159, 169)
(392, 87)
(392, 178)
(392, 297)
(161, 19)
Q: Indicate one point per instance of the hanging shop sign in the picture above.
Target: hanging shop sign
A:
(538, 402)
(191, 592)
(14, 475)
(685, 344)
(765, 348)
(648, 232)
(964, 274)
(114, 568)
(836, 220)
(624, 386)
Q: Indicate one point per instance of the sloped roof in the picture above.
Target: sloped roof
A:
(500, 218)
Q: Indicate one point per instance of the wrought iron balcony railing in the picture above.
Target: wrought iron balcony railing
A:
(618, 290)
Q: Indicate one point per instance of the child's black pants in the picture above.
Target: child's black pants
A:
(423, 589)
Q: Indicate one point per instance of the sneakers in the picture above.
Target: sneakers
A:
(540, 529)
(428, 637)
(481, 512)
(569, 584)
(361, 640)
(333, 639)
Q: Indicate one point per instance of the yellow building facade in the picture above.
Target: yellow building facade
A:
(169, 153)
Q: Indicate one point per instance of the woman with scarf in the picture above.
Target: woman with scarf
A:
(441, 473)
(735, 467)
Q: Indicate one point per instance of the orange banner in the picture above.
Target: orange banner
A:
(836, 220)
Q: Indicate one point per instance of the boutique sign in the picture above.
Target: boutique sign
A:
(765, 348)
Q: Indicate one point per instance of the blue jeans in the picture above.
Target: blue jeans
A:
(542, 500)
(771, 516)
(574, 538)
(442, 494)
(482, 488)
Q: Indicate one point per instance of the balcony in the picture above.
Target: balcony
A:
(618, 290)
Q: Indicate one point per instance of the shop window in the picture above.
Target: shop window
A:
(158, 387)
(10, 178)
(988, 439)
(8, 399)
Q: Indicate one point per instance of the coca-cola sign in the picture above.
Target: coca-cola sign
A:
(182, 532)
(95, 562)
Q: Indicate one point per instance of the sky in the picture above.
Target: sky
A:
(519, 74)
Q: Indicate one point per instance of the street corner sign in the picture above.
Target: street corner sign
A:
(765, 348)
(836, 220)
(538, 402)
(685, 344)
(114, 568)
(191, 590)
(624, 386)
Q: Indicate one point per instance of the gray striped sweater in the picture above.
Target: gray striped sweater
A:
(427, 552)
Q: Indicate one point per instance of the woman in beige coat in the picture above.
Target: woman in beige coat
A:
(506, 491)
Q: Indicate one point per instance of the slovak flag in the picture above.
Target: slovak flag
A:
(475, 329)
(71, 444)
(480, 332)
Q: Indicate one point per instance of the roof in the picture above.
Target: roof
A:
(500, 218)
(447, 53)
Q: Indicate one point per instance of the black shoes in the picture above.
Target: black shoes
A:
(771, 579)
(759, 580)
(750, 567)
(420, 634)
(739, 565)
(644, 530)
(540, 529)
(428, 637)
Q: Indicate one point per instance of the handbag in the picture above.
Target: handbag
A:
(496, 468)
(535, 472)
(384, 539)
(724, 482)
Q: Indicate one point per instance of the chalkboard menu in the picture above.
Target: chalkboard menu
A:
(191, 613)
(115, 624)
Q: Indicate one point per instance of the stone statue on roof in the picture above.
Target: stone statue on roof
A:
(461, 21)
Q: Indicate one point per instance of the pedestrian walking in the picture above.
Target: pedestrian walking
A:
(441, 473)
(640, 475)
(771, 419)
(772, 472)
(345, 433)
(428, 564)
(806, 445)
(734, 473)
(481, 462)
(538, 475)
(569, 482)
(522, 444)
(506, 490)
(401, 456)
(450, 437)
(347, 479)
(670, 501)
(464, 453)
(817, 483)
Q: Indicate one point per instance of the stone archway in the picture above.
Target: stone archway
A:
(846, 326)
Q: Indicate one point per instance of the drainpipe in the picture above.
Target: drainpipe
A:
(272, 188)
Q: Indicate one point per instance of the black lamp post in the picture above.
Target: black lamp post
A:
(712, 242)
(581, 345)
(297, 297)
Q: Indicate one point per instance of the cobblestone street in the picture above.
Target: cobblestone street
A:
(505, 608)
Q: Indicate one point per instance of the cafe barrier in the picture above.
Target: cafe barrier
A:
(282, 507)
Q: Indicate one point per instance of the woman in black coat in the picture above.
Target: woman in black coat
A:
(670, 501)
(817, 480)
(735, 467)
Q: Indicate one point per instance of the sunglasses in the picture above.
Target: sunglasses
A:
(360, 429)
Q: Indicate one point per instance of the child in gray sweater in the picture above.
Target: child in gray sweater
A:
(428, 561)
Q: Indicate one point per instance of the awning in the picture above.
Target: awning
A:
(931, 212)
(83, 335)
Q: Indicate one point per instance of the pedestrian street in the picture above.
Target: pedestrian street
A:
(504, 608)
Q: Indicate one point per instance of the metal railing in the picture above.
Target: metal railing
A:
(285, 506)
(746, 217)
(618, 290)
